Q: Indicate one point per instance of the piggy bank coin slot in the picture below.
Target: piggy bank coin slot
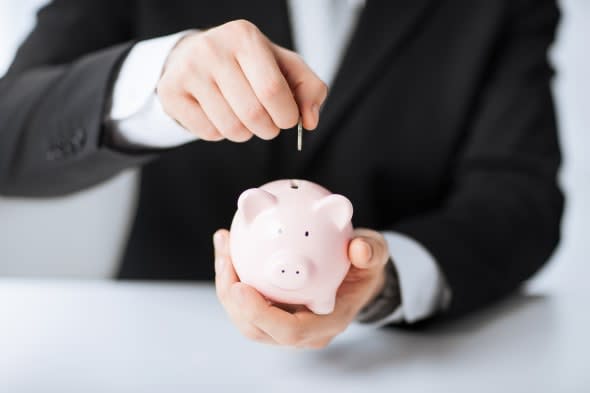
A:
(294, 184)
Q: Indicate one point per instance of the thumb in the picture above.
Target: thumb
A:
(309, 90)
(367, 252)
(220, 246)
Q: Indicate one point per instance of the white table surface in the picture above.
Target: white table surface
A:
(104, 336)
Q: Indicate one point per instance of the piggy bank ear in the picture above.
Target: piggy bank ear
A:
(254, 201)
(337, 208)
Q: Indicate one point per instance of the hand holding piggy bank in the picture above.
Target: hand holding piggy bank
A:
(289, 240)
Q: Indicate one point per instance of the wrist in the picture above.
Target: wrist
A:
(386, 300)
(379, 285)
(178, 46)
(136, 119)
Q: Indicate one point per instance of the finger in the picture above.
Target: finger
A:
(226, 283)
(321, 326)
(225, 275)
(236, 303)
(248, 307)
(220, 245)
(368, 250)
(320, 343)
(295, 329)
(270, 86)
(360, 252)
(309, 90)
(189, 114)
(239, 94)
(225, 279)
(282, 326)
(255, 334)
(218, 111)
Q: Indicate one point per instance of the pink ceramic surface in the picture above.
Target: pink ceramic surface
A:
(289, 240)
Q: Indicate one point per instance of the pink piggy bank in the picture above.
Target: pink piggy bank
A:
(289, 240)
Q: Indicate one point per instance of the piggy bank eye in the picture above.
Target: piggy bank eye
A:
(306, 233)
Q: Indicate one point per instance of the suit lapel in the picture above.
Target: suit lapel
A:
(382, 28)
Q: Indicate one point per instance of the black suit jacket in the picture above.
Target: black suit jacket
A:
(439, 125)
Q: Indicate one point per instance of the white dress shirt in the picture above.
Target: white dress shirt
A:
(321, 31)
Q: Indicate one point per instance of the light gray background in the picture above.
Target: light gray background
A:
(82, 235)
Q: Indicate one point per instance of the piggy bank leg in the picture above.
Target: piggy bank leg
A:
(323, 305)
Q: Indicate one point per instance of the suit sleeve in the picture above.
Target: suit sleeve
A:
(54, 96)
(500, 220)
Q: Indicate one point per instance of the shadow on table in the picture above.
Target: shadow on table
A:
(522, 323)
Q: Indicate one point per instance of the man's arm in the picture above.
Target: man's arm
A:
(136, 118)
(56, 96)
(53, 98)
(501, 219)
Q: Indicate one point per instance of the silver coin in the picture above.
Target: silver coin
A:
(299, 135)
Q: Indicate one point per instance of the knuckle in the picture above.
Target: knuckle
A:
(186, 43)
(234, 128)
(243, 27)
(206, 41)
(272, 88)
(255, 112)
(207, 47)
(180, 55)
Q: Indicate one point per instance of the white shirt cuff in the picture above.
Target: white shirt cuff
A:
(423, 288)
(136, 116)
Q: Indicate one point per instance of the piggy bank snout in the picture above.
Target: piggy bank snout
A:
(288, 271)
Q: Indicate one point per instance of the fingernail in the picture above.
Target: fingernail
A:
(219, 240)
(315, 109)
(368, 250)
(315, 112)
(219, 264)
